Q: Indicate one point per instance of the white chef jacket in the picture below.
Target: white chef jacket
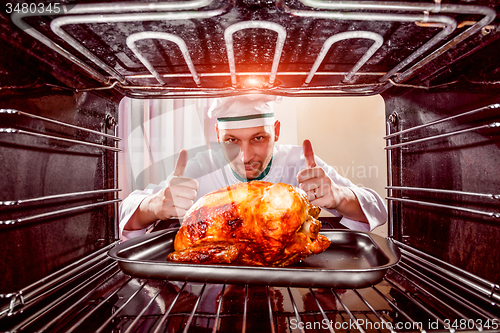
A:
(212, 172)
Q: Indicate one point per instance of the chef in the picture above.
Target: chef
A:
(247, 134)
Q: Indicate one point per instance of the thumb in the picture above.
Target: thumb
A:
(308, 154)
(180, 165)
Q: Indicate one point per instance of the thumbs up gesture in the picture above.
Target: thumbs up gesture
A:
(178, 196)
(322, 191)
(319, 187)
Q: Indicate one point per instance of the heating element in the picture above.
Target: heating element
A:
(196, 49)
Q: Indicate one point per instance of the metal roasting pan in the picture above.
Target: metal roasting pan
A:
(355, 259)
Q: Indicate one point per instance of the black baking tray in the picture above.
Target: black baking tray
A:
(355, 259)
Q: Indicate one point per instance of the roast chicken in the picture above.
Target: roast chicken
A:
(255, 223)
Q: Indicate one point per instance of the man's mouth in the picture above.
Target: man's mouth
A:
(251, 166)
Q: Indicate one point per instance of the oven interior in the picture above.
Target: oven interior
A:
(64, 73)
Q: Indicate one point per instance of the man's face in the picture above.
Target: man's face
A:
(249, 150)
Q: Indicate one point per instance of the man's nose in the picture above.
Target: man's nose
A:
(246, 152)
(233, 151)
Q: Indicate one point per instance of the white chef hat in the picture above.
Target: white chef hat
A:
(243, 111)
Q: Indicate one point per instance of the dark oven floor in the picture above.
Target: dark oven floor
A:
(98, 297)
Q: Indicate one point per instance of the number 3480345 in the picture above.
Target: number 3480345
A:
(33, 8)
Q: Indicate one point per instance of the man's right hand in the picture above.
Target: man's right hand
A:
(173, 201)
(179, 195)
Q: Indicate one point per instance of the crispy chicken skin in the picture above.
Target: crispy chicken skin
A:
(254, 223)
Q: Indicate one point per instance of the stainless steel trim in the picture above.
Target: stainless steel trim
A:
(432, 204)
(161, 35)
(12, 111)
(56, 213)
(378, 41)
(223, 93)
(228, 36)
(253, 89)
(56, 196)
(435, 190)
(439, 136)
(184, 75)
(468, 113)
(18, 131)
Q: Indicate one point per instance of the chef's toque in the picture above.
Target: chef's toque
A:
(243, 111)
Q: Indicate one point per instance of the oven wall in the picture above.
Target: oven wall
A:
(33, 246)
(463, 162)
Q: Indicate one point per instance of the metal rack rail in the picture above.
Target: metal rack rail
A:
(439, 121)
(55, 213)
(436, 190)
(55, 197)
(10, 112)
(409, 200)
(52, 137)
(65, 196)
(495, 215)
(445, 135)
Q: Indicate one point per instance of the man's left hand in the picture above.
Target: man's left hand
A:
(322, 191)
(319, 187)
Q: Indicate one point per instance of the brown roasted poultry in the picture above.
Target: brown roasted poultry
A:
(254, 223)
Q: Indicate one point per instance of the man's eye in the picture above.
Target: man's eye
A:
(258, 138)
(231, 140)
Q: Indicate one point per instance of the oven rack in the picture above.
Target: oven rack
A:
(35, 202)
(9, 112)
(425, 15)
(94, 295)
(493, 198)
